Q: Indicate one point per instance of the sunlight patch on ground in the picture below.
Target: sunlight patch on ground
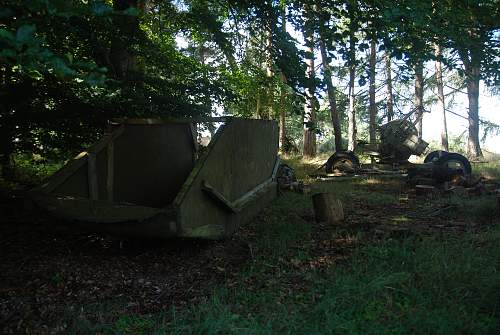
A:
(371, 181)
(400, 219)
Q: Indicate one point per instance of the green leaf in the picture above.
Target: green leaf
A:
(61, 68)
(25, 33)
(8, 53)
(6, 36)
(69, 57)
(5, 12)
(101, 8)
(132, 11)
(95, 79)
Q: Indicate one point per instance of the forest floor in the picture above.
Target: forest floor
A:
(399, 264)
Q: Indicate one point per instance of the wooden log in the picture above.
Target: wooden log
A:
(328, 208)
(423, 181)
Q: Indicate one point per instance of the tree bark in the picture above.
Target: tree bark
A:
(282, 120)
(373, 107)
(390, 99)
(441, 102)
(473, 146)
(328, 208)
(419, 95)
(257, 107)
(327, 74)
(472, 65)
(351, 131)
(309, 149)
(269, 69)
(122, 60)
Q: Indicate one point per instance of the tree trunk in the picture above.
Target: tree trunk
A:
(208, 103)
(269, 70)
(373, 107)
(472, 64)
(257, 107)
(419, 95)
(441, 104)
(351, 131)
(282, 121)
(309, 149)
(390, 99)
(122, 60)
(473, 146)
(327, 74)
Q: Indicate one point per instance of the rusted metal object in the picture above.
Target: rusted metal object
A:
(399, 140)
(144, 179)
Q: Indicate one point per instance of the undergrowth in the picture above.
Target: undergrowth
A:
(442, 283)
(433, 285)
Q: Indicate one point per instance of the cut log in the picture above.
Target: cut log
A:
(423, 181)
(327, 208)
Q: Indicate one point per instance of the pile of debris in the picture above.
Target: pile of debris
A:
(287, 181)
(458, 185)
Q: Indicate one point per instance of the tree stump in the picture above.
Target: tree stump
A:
(327, 208)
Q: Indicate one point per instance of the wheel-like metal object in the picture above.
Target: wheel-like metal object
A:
(345, 161)
(451, 165)
(435, 155)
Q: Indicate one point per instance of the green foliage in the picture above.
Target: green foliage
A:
(391, 287)
(66, 67)
(489, 170)
(33, 170)
(24, 42)
(134, 325)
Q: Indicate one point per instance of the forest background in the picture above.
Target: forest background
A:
(328, 71)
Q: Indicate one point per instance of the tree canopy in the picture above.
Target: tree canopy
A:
(68, 66)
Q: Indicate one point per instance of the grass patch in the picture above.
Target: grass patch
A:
(474, 208)
(358, 190)
(441, 283)
(435, 285)
(490, 170)
(303, 167)
(30, 169)
(444, 284)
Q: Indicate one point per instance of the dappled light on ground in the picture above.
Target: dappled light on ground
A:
(71, 282)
